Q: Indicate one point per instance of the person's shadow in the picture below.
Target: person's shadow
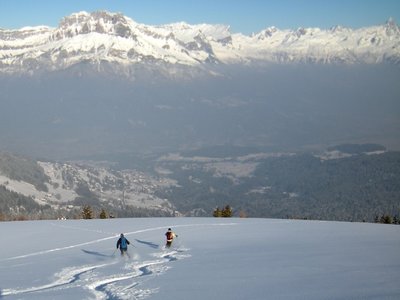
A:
(150, 244)
(96, 253)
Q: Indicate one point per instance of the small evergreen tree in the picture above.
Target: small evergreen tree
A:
(87, 212)
(217, 213)
(227, 212)
(387, 219)
(103, 214)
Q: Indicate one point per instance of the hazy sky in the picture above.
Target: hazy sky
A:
(244, 16)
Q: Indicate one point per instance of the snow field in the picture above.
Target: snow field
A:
(211, 258)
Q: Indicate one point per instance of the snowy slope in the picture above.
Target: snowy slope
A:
(211, 259)
(112, 37)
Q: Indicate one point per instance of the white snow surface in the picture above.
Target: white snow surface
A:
(211, 259)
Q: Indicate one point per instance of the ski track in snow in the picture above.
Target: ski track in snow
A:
(107, 238)
(122, 285)
(108, 288)
(65, 277)
(111, 286)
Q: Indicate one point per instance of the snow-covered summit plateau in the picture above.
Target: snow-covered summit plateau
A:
(114, 38)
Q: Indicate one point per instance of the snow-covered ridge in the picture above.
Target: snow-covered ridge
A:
(112, 37)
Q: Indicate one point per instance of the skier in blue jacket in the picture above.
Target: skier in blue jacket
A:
(122, 244)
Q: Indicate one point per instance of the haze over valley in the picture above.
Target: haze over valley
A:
(190, 117)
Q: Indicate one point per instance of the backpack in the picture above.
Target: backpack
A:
(169, 235)
(123, 243)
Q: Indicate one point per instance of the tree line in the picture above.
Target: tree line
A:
(387, 219)
(226, 212)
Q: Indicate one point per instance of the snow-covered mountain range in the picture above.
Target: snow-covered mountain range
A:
(114, 38)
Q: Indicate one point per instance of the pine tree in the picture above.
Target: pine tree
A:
(387, 219)
(217, 213)
(103, 214)
(227, 212)
(87, 212)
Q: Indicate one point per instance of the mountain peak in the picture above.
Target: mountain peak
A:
(98, 21)
(391, 27)
(102, 36)
(84, 16)
(391, 22)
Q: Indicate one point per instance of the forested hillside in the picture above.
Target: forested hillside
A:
(23, 169)
(348, 182)
(353, 188)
